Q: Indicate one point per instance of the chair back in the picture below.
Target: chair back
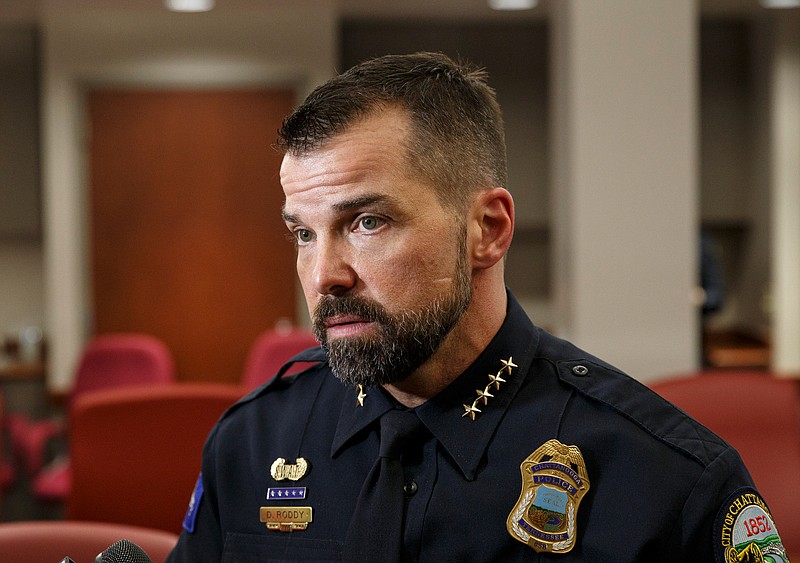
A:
(6, 469)
(123, 359)
(759, 415)
(270, 351)
(136, 452)
(52, 540)
(108, 360)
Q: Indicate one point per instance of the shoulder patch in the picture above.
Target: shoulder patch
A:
(194, 504)
(744, 530)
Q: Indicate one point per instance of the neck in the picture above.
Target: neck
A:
(458, 351)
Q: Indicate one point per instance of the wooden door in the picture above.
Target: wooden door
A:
(187, 242)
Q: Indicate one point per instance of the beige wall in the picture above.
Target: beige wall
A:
(785, 120)
(625, 181)
(21, 285)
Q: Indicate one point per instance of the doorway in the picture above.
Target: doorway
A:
(186, 239)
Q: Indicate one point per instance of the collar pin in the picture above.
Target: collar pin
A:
(484, 394)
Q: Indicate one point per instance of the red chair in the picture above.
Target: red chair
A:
(7, 473)
(110, 360)
(759, 415)
(271, 350)
(136, 452)
(42, 541)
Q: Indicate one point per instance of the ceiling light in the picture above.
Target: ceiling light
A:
(780, 3)
(512, 4)
(189, 5)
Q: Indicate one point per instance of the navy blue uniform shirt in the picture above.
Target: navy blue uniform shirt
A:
(661, 485)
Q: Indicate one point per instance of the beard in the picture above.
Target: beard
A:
(403, 342)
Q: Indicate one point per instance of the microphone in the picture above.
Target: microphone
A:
(123, 551)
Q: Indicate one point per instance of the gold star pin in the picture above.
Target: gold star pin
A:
(361, 396)
(496, 379)
(471, 411)
(484, 395)
(508, 364)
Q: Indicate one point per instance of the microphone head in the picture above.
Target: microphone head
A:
(123, 551)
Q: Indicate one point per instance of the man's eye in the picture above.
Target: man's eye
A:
(369, 223)
(303, 235)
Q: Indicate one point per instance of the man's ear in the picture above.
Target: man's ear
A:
(491, 226)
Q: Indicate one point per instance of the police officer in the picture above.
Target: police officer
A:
(438, 423)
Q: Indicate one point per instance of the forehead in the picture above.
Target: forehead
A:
(376, 141)
(370, 156)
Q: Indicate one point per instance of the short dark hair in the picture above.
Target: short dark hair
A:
(456, 142)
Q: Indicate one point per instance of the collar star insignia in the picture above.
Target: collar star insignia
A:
(496, 380)
(508, 365)
(484, 394)
(361, 396)
(471, 411)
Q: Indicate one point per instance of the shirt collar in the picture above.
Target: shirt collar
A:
(353, 418)
(446, 415)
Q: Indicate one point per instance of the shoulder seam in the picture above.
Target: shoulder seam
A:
(665, 435)
(315, 357)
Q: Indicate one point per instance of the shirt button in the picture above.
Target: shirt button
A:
(580, 370)
(410, 488)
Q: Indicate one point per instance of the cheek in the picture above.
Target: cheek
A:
(414, 271)
(435, 257)
(306, 283)
(311, 298)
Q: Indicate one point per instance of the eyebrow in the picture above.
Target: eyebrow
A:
(346, 205)
(288, 217)
(362, 201)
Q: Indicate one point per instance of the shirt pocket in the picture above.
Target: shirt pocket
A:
(283, 548)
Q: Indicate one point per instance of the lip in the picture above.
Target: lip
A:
(339, 326)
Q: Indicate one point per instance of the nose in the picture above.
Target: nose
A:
(332, 273)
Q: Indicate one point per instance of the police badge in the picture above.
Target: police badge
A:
(554, 481)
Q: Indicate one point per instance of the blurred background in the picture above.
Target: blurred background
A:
(654, 158)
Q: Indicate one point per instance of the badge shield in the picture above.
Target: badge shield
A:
(554, 480)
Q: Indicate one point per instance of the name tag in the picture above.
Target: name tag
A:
(286, 518)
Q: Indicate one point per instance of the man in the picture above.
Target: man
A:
(439, 424)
